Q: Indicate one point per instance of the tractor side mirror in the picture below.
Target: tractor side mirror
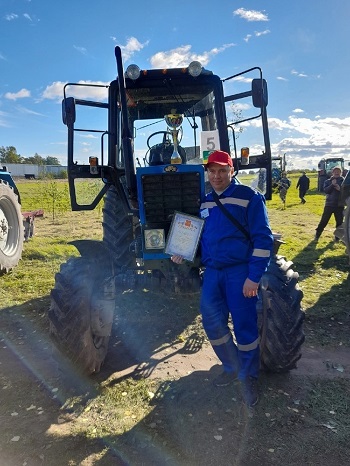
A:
(68, 111)
(259, 93)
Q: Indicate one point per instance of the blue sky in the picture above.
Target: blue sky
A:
(301, 46)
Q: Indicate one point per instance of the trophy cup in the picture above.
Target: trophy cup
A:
(174, 122)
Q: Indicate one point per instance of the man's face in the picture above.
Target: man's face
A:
(219, 176)
(336, 173)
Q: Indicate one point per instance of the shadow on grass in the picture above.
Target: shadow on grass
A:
(307, 258)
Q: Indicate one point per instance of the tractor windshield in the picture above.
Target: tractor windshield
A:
(150, 100)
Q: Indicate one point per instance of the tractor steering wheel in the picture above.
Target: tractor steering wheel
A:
(160, 153)
(165, 133)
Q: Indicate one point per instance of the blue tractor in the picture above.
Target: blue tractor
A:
(278, 167)
(161, 126)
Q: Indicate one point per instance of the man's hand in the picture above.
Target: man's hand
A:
(250, 288)
(177, 259)
(335, 184)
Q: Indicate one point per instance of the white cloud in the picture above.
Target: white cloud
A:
(243, 79)
(256, 34)
(17, 95)
(82, 50)
(251, 15)
(183, 56)
(280, 78)
(27, 16)
(300, 75)
(298, 110)
(11, 17)
(132, 46)
(89, 136)
(4, 119)
(55, 90)
(318, 138)
(27, 111)
(305, 141)
(2, 57)
(279, 125)
(262, 33)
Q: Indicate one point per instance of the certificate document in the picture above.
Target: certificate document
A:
(184, 234)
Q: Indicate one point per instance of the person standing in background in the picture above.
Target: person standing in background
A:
(283, 186)
(333, 203)
(303, 185)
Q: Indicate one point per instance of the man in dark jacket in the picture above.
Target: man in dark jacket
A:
(333, 204)
(235, 256)
(303, 185)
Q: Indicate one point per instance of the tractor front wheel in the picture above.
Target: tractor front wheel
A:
(81, 313)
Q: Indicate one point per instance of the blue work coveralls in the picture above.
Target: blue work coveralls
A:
(229, 258)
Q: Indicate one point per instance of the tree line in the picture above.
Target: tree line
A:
(9, 155)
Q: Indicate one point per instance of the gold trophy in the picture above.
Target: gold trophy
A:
(174, 122)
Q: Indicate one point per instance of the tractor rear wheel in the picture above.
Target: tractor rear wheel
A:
(11, 228)
(281, 319)
(81, 313)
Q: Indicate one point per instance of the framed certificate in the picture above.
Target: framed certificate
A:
(184, 234)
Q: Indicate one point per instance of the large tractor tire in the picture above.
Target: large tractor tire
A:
(11, 228)
(117, 230)
(83, 299)
(81, 313)
(281, 318)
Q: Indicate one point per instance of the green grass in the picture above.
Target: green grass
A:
(43, 254)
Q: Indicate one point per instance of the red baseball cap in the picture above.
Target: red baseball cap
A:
(220, 157)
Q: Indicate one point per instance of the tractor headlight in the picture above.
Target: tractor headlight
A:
(133, 72)
(195, 68)
(154, 239)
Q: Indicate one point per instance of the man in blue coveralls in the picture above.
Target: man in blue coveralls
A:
(235, 258)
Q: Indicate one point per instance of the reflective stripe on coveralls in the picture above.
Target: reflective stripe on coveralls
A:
(226, 200)
(226, 338)
(261, 252)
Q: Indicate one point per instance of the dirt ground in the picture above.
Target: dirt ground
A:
(191, 423)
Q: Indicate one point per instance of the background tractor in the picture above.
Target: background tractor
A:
(278, 167)
(15, 226)
(161, 126)
(325, 167)
(11, 223)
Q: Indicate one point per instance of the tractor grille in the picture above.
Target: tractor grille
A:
(163, 194)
